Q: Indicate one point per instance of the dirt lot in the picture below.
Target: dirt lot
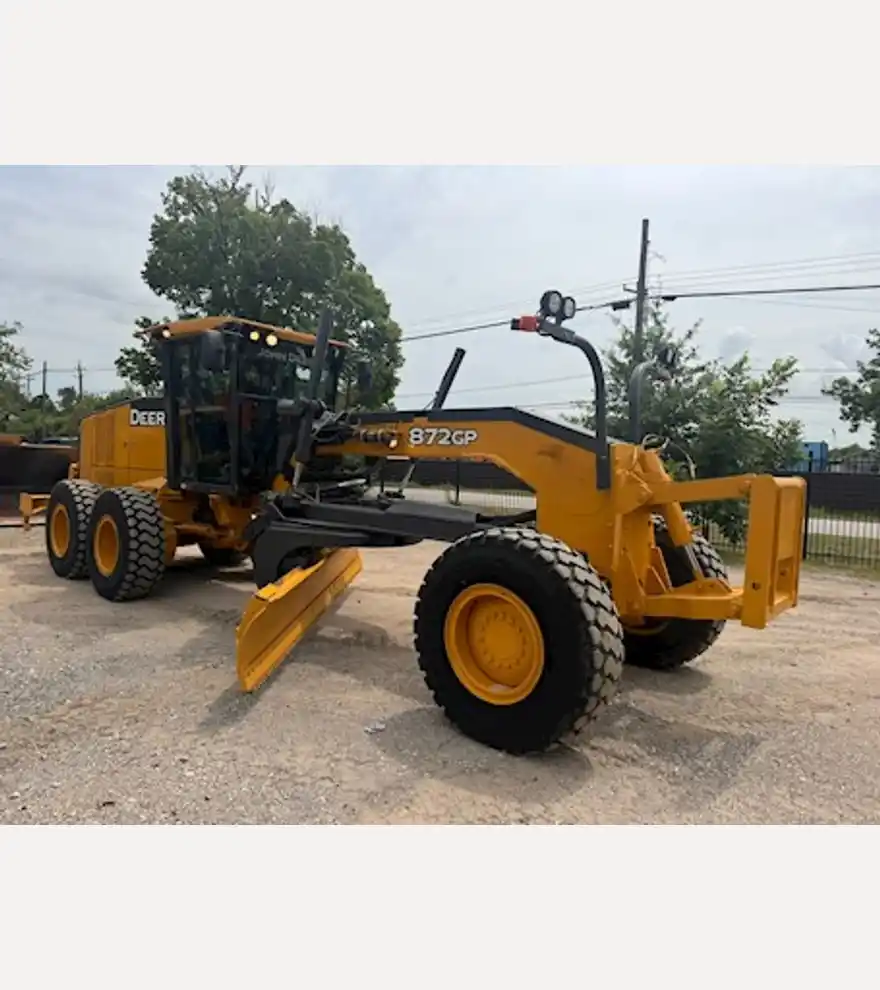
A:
(130, 713)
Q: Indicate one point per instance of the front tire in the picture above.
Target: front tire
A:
(126, 545)
(666, 644)
(517, 638)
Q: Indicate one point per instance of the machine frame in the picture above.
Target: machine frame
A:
(606, 507)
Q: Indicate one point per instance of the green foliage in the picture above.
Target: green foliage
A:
(860, 399)
(849, 451)
(40, 416)
(15, 365)
(138, 365)
(222, 247)
(855, 457)
(717, 416)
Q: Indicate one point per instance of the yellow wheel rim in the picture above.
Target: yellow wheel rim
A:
(106, 546)
(59, 530)
(494, 644)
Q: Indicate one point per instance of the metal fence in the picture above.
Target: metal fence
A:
(843, 509)
(843, 520)
(850, 540)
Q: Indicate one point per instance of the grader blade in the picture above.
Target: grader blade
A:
(280, 614)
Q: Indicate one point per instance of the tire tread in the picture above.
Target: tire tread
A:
(144, 563)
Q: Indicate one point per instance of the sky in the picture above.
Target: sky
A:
(452, 246)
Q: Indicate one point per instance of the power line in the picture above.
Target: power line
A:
(498, 386)
(457, 330)
(501, 385)
(569, 403)
(68, 371)
(764, 270)
(669, 296)
(589, 290)
(756, 278)
(760, 271)
(814, 306)
(867, 261)
(494, 324)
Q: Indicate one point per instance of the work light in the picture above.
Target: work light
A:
(551, 303)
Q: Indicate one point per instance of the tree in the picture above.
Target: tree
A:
(717, 417)
(138, 365)
(71, 408)
(222, 247)
(39, 416)
(860, 399)
(15, 365)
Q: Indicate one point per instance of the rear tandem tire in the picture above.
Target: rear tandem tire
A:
(126, 544)
(67, 526)
(667, 644)
(539, 598)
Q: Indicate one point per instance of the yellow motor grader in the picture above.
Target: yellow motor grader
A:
(522, 624)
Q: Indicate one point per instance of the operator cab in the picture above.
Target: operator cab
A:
(233, 393)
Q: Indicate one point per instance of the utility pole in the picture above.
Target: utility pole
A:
(79, 379)
(641, 294)
(43, 398)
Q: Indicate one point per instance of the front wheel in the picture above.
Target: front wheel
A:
(518, 638)
(666, 644)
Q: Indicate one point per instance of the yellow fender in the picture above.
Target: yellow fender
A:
(280, 614)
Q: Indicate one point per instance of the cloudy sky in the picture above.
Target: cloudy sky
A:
(452, 246)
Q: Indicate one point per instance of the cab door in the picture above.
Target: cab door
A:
(200, 404)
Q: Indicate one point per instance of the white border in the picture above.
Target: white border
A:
(438, 907)
(425, 907)
(177, 83)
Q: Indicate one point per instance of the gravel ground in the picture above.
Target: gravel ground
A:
(130, 713)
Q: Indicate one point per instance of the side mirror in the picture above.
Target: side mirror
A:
(212, 351)
(364, 377)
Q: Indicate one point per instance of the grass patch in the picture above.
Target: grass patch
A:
(848, 549)
(858, 554)
(857, 557)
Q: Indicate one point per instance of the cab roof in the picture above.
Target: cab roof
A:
(200, 324)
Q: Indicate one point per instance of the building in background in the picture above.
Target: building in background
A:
(815, 456)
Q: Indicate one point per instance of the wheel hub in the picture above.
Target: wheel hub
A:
(106, 546)
(494, 644)
(59, 530)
